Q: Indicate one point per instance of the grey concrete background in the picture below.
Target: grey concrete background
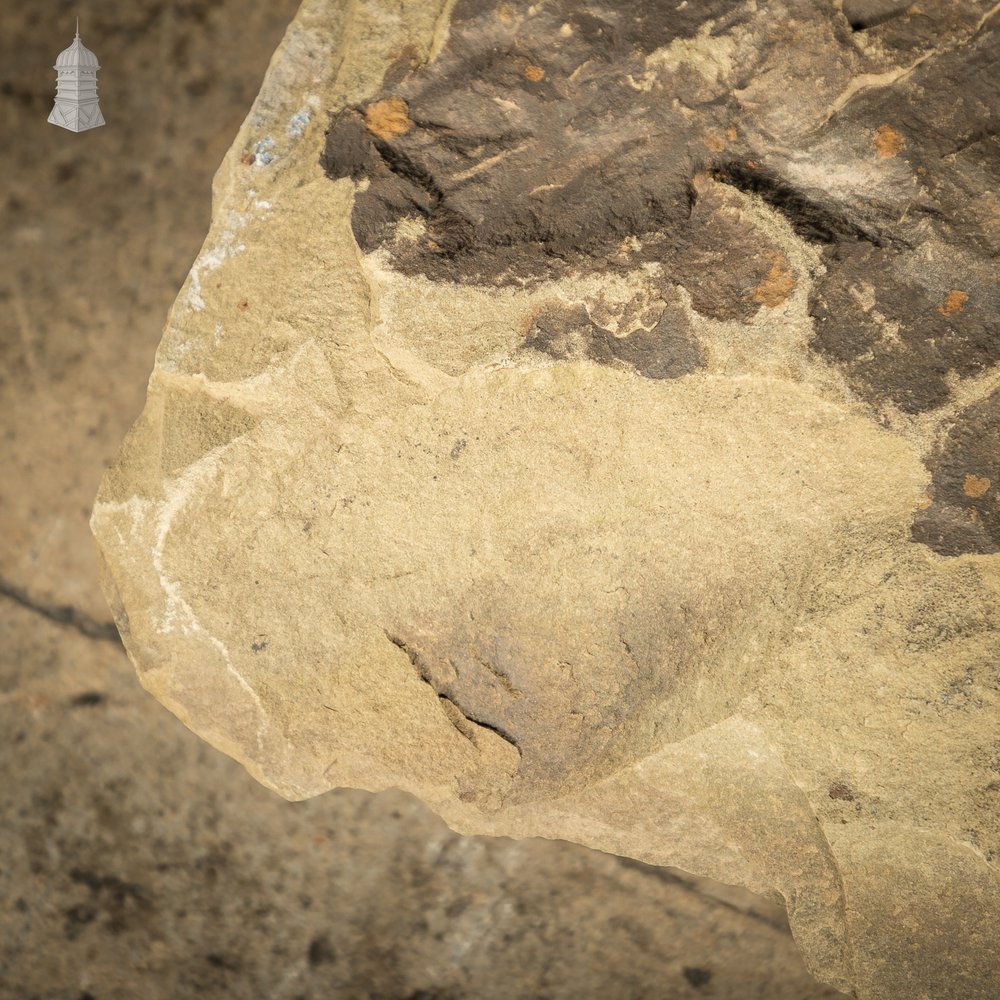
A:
(135, 861)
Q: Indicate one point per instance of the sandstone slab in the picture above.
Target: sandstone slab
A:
(581, 416)
(137, 861)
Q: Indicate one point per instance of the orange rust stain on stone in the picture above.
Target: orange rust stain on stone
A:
(731, 133)
(389, 118)
(242, 305)
(954, 302)
(778, 285)
(528, 321)
(701, 182)
(888, 142)
(534, 73)
(715, 142)
(975, 486)
(927, 501)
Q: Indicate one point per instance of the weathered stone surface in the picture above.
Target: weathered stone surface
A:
(138, 863)
(125, 836)
(575, 429)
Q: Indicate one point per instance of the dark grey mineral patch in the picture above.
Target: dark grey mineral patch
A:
(663, 351)
(541, 143)
(532, 146)
(530, 151)
(932, 266)
(964, 514)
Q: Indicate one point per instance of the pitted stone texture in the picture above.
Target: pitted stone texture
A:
(614, 515)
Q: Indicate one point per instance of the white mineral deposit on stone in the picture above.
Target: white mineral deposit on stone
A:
(76, 106)
(299, 121)
(211, 259)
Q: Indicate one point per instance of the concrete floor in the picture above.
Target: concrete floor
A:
(135, 861)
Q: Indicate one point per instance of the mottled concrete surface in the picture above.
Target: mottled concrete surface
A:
(136, 861)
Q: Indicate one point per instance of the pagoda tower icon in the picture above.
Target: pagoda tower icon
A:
(76, 106)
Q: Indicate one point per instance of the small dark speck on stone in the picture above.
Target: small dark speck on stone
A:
(77, 917)
(87, 699)
(838, 790)
(321, 951)
(697, 977)
(258, 646)
(222, 962)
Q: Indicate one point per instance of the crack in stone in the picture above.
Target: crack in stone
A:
(671, 878)
(459, 717)
(502, 679)
(62, 614)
